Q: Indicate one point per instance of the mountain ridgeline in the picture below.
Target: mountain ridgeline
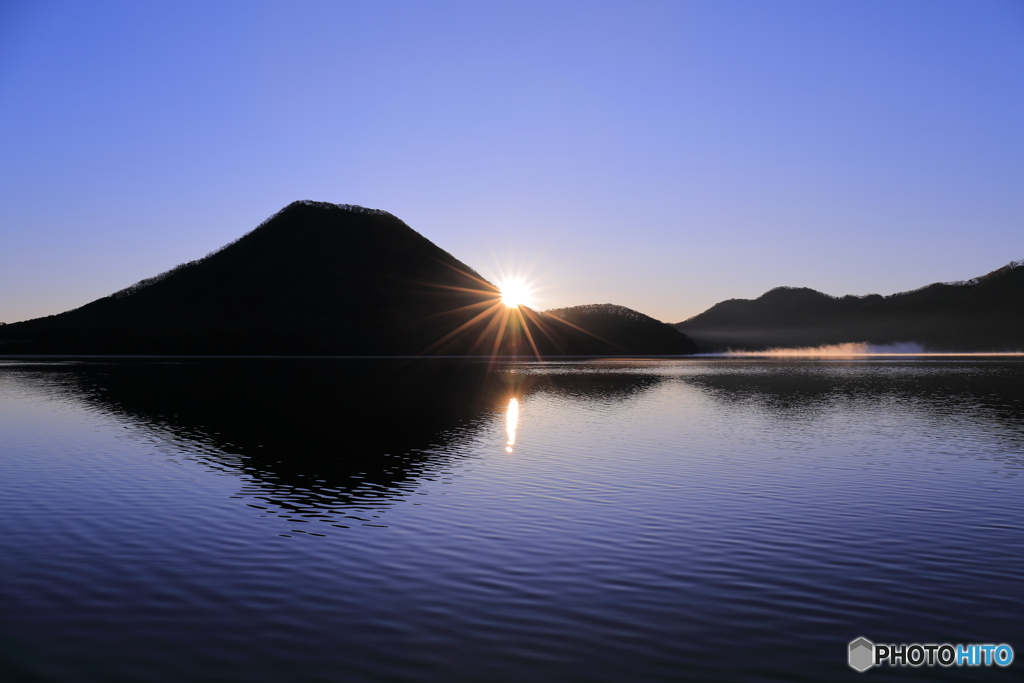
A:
(623, 328)
(981, 314)
(324, 279)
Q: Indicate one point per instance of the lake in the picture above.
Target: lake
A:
(368, 520)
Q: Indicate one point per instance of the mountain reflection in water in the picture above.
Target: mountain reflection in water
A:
(313, 438)
(938, 391)
(260, 521)
(336, 441)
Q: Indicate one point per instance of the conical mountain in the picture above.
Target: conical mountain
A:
(313, 279)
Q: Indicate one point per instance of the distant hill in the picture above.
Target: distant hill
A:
(982, 314)
(626, 328)
(313, 279)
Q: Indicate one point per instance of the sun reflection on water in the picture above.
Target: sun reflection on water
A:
(511, 420)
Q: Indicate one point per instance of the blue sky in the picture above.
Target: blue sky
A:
(660, 155)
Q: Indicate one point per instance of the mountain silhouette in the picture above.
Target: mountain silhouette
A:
(314, 279)
(625, 328)
(982, 314)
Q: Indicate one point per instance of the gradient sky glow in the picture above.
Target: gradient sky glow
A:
(660, 155)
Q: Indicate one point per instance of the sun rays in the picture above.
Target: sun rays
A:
(515, 292)
(499, 320)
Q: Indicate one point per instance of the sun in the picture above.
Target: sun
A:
(515, 293)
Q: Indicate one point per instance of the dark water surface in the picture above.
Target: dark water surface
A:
(312, 520)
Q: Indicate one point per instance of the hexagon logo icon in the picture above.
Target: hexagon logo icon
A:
(862, 654)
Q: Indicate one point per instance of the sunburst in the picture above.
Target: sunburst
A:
(515, 292)
(503, 320)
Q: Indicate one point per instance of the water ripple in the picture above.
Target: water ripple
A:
(699, 520)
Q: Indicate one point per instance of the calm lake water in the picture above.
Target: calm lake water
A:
(701, 519)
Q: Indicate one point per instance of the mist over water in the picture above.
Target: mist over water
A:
(854, 349)
(737, 519)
